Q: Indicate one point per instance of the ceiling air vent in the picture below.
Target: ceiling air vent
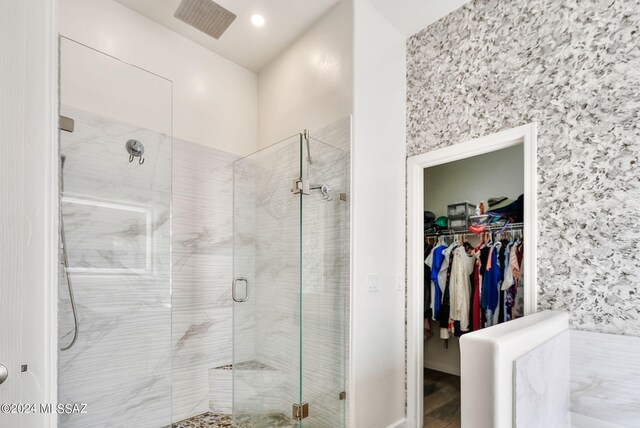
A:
(206, 16)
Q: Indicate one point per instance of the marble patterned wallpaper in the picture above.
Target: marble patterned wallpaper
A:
(574, 68)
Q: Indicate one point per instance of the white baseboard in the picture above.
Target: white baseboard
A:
(402, 423)
(434, 365)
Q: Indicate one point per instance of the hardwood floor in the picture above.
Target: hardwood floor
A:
(441, 400)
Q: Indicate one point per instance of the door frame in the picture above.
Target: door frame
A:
(30, 111)
(526, 135)
(31, 47)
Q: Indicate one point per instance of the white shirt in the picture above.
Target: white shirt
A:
(460, 287)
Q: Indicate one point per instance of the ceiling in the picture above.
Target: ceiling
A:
(243, 43)
(254, 47)
(411, 16)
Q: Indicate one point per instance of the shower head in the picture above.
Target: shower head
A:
(206, 16)
(325, 190)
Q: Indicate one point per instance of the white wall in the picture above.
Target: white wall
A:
(95, 83)
(28, 216)
(475, 179)
(439, 358)
(39, 319)
(378, 210)
(214, 100)
(309, 85)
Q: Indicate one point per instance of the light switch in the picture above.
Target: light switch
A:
(372, 282)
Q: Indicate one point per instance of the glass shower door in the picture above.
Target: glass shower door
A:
(290, 287)
(324, 284)
(266, 287)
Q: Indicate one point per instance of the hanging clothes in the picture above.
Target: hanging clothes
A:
(435, 262)
(427, 283)
(445, 306)
(476, 317)
(508, 270)
(460, 287)
(515, 264)
(490, 282)
(502, 257)
(473, 288)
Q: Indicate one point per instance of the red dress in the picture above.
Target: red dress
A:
(476, 320)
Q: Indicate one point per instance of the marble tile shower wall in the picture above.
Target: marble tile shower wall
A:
(116, 217)
(202, 269)
(572, 67)
(154, 341)
(147, 343)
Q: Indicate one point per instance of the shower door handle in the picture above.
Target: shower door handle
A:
(235, 286)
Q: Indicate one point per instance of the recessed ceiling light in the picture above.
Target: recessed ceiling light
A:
(257, 20)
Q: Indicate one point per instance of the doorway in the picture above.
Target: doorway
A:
(443, 361)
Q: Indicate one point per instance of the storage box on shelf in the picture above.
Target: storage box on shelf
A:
(479, 220)
(458, 215)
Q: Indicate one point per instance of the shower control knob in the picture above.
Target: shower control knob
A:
(4, 374)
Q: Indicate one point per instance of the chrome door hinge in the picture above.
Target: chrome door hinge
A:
(66, 124)
(300, 411)
(300, 186)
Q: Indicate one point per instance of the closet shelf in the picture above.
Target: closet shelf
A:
(449, 232)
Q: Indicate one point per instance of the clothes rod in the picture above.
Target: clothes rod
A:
(451, 232)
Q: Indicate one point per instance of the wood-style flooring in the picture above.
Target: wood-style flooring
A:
(441, 400)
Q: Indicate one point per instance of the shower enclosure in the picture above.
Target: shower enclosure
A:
(196, 286)
(290, 299)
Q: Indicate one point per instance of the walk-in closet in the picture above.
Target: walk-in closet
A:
(473, 252)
